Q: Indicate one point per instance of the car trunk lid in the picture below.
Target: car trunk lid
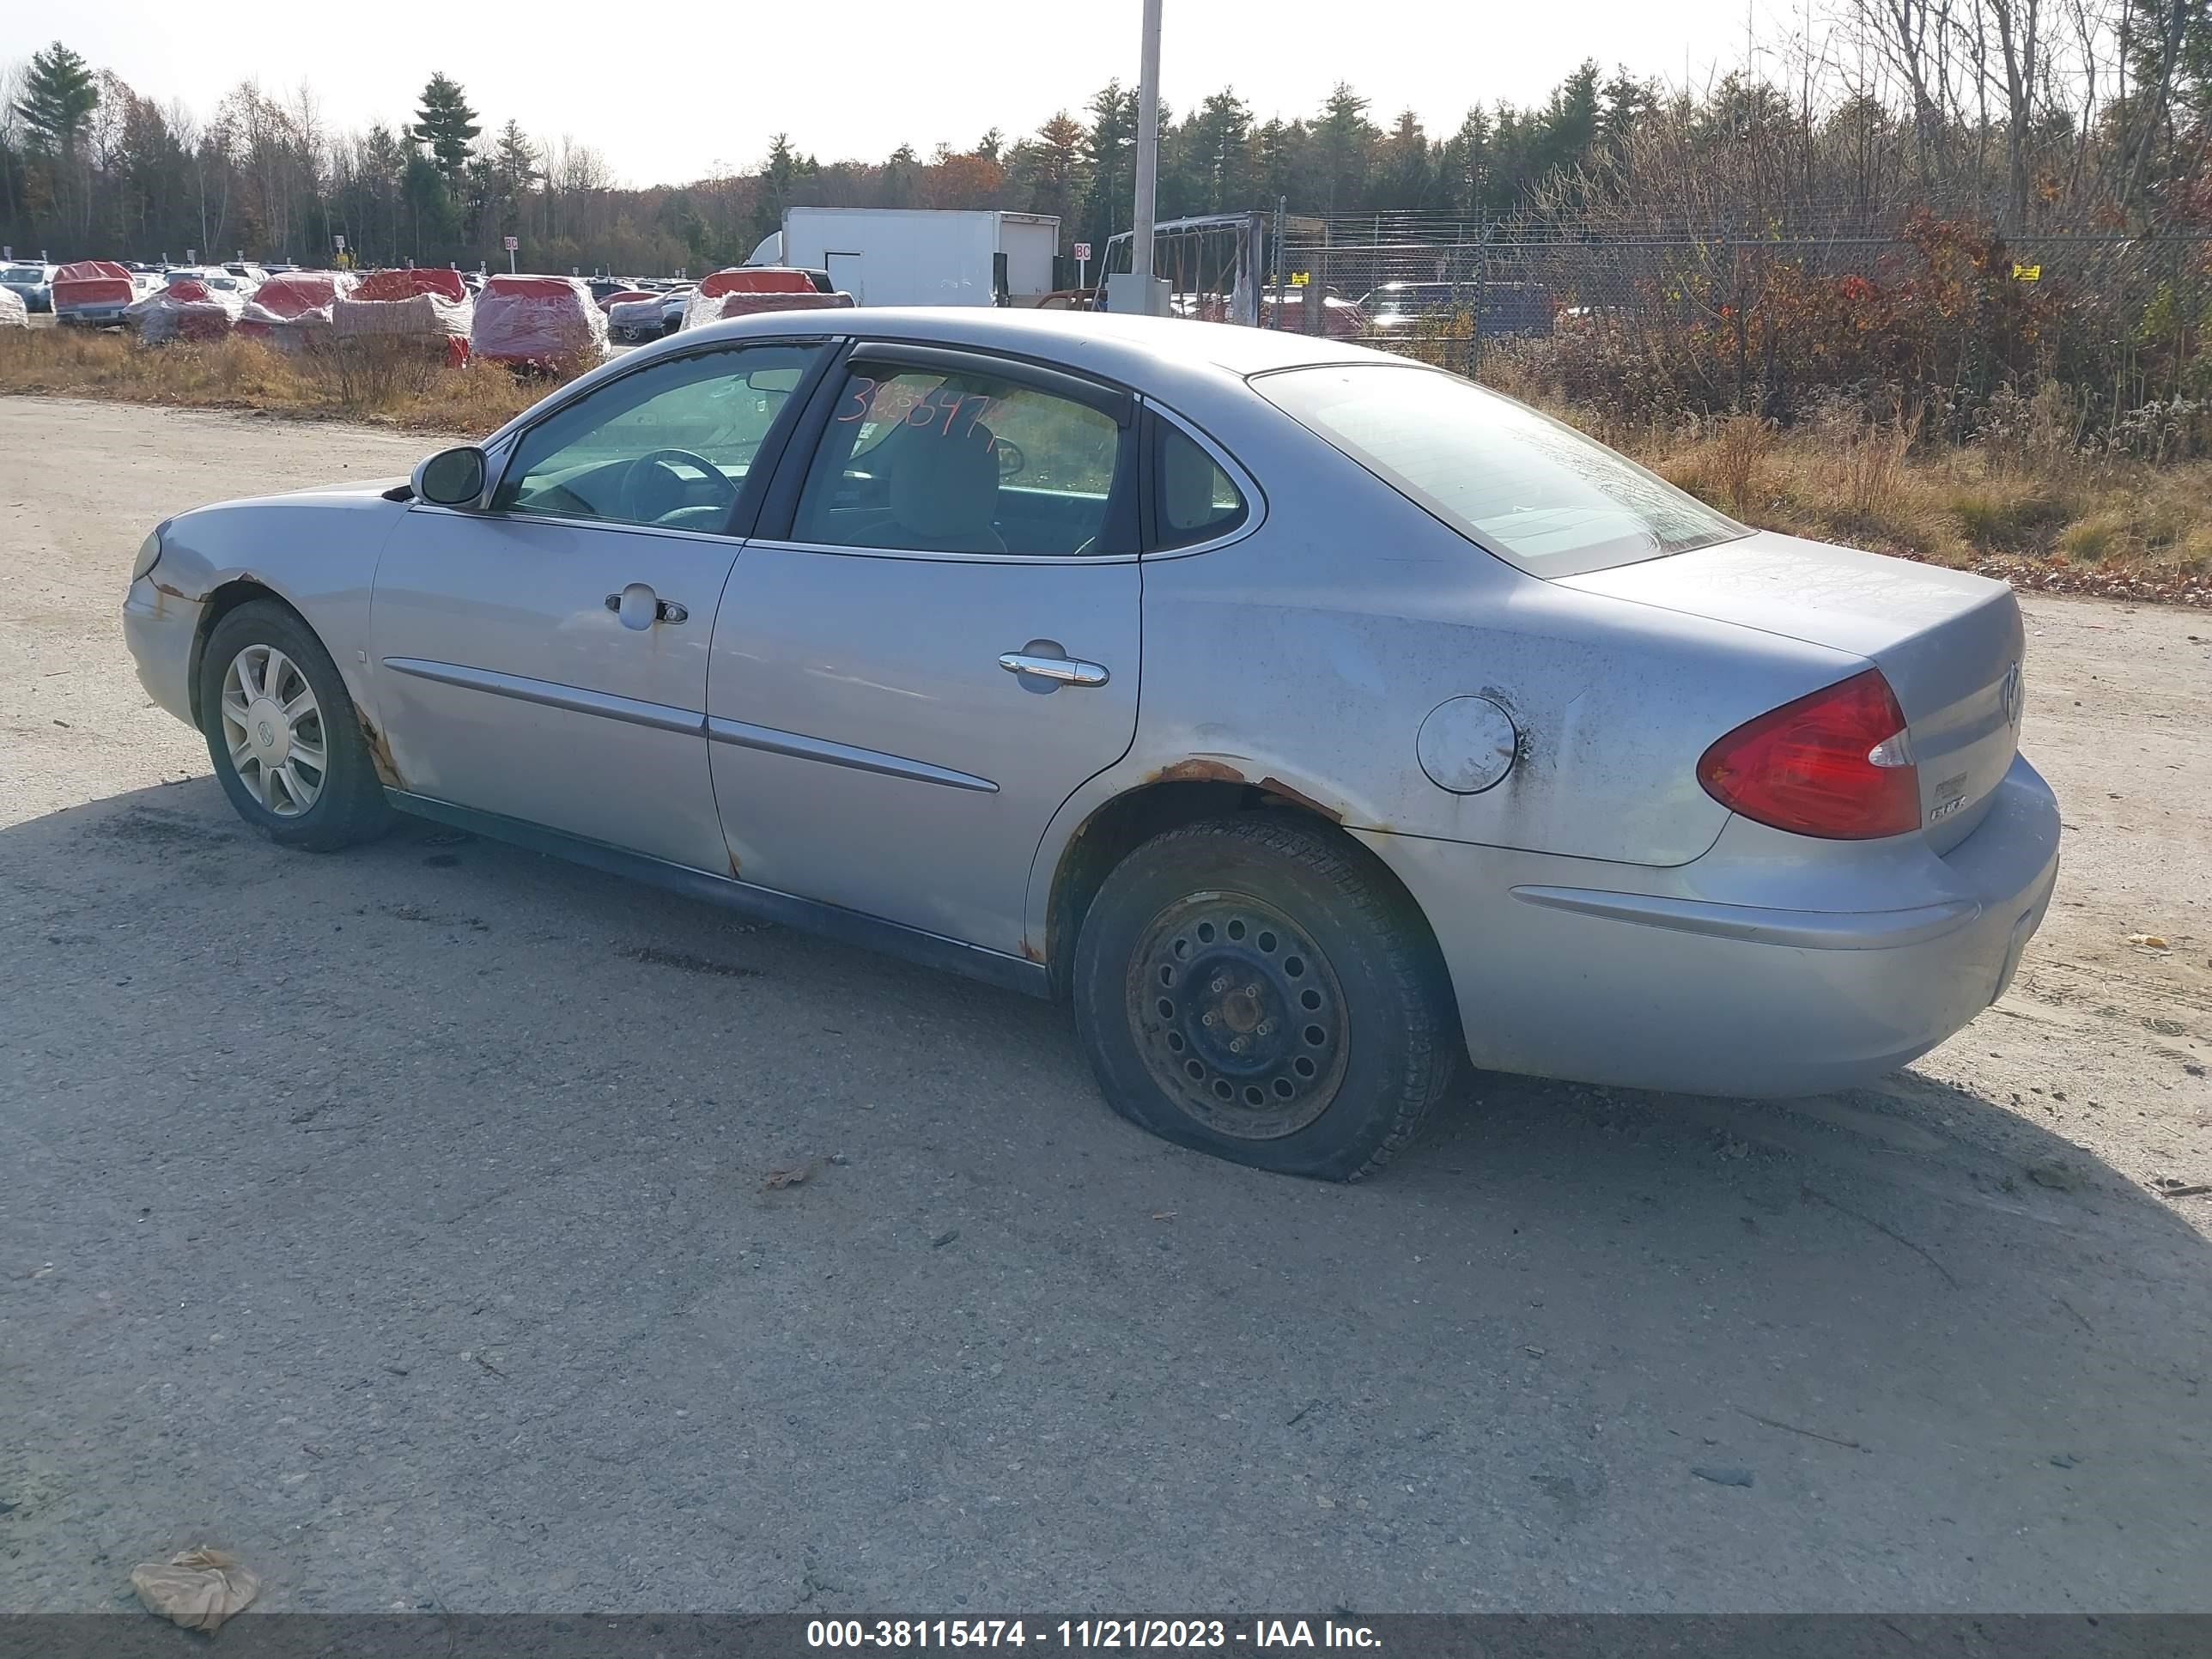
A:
(1949, 643)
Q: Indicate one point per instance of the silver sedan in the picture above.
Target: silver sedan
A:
(1314, 721)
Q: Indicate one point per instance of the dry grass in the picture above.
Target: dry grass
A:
(1869, 486)
(390, 383)
(2026, 502)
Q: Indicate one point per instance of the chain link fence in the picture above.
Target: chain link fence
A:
(1938, 316)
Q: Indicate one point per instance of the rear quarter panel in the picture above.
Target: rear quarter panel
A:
(1304, 658)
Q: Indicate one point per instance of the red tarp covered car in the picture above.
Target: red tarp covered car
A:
(290, 309)
(421, 303)
(93, 292)
(184, 308)
(538, 320)
(743, 289)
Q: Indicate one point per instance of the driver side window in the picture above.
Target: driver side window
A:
(669, 445)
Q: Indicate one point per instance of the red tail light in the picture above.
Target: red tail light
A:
(1832, 764)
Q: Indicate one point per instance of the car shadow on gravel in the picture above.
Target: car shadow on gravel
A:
(616, 1148)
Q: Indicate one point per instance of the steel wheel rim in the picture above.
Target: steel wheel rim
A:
(1238, 1016)
(272, 729)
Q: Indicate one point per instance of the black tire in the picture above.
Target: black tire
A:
(1334, 988)
(350, 807)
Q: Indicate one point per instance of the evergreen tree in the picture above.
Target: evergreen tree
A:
(1465, 174)
(1408, 177)
(434, 221)
(1344, 144)
(446, 124)
(1109, 148)
(60, 92)
(1221, 153)
(1570, 121)
(504, 179)
(1050, 174)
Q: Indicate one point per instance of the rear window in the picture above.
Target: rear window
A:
(1536, 492)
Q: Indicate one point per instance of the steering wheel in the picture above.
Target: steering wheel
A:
(651, 472)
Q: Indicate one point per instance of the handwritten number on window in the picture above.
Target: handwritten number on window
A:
(864, 391)
(941, 409)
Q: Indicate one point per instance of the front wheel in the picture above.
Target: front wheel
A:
(1253, 988)
(283, 731)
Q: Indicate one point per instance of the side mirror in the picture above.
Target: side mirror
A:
(451, 477)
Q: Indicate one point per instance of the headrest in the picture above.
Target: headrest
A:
(945, 489)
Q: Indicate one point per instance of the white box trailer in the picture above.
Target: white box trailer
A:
(922, 256)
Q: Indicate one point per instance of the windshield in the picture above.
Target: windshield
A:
(1532, 491)
(23, 274)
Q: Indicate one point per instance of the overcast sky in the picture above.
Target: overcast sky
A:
(665, 92)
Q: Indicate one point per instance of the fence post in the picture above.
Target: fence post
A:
(1281, 317)
(1481, 303)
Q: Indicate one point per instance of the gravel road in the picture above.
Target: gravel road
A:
(402, 1221)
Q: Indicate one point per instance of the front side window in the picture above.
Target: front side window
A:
(1531, 489)
(667, 446)
(959, 462)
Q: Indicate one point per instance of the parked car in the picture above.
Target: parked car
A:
(1314, 721)
(34, 284)
(416, 309)
(1499, 308)
(217, 279)
(185, 309)
(646, 317)
(673, 307)
(537, 322)
(1341, 319)
(294, 308)
(93, 293)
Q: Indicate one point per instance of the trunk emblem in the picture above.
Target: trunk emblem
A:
(2008, 696)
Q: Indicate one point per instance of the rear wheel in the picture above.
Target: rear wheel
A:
(1253, 988)
(283, 734)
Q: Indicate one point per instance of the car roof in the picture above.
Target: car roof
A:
(1130, 349)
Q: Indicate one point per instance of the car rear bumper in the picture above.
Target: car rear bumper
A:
(92, 316)
(159, 628)
(1558, 977)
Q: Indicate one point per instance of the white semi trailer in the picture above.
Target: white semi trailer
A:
(920, 256)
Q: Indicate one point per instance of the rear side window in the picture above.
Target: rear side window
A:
(1529, 488)
(1194, 499)
(928, 461)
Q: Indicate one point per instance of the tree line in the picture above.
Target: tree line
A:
(2025, 114)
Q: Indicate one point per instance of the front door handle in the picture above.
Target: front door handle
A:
(639, 606)
(1066, 671)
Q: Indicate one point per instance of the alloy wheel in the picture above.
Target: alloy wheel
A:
(272, 727)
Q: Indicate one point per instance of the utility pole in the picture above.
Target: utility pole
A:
(1148, 152)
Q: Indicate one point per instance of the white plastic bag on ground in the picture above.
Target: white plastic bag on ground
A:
(198, 1588)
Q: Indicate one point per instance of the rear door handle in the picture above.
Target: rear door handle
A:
(1066, 671)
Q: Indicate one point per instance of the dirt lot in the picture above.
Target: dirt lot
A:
(398, 1220)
